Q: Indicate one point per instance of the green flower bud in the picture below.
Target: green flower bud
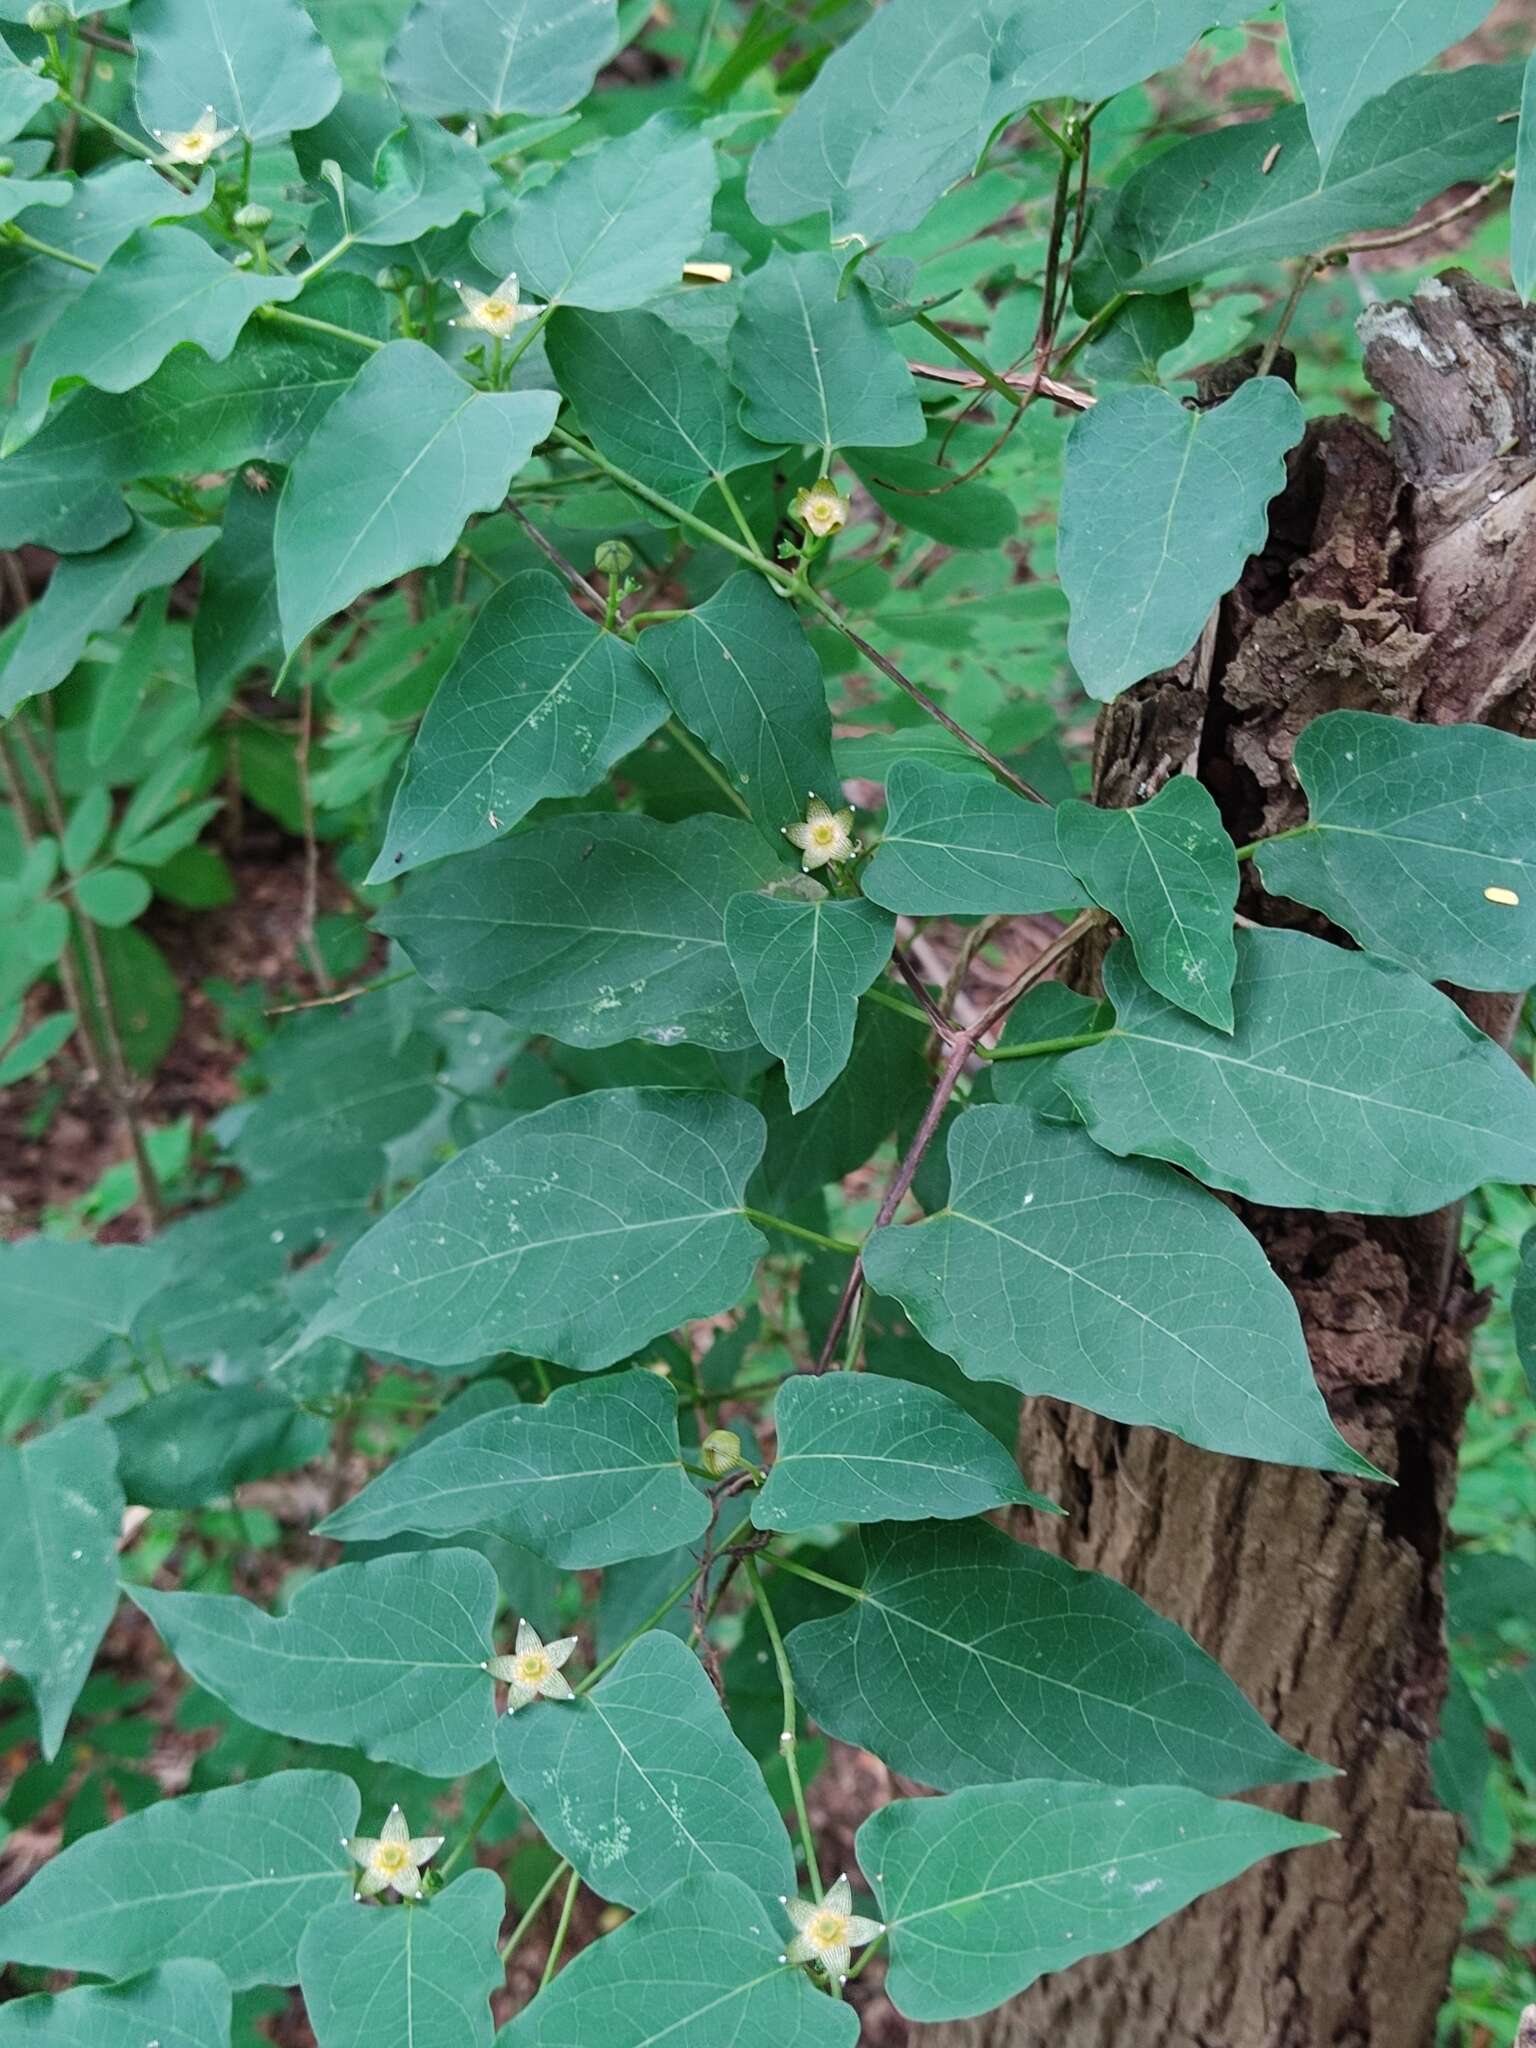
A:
(394, 277)
(612, 557)
(720, 1453)
(47, 17)
(253, 216)
(7, 165)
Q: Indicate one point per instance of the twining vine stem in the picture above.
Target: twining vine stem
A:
(962, 1046)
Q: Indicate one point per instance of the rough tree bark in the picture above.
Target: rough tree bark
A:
(1400, 577)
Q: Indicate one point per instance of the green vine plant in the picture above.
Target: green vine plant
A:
(623, 437)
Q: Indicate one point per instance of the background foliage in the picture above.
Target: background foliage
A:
(478, 505)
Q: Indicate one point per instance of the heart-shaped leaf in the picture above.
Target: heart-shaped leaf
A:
(1421, 842)
(802, 968)
(574, 1234)
(540, 702)
(989, 1889)
(858, 1447)
(406, 1976)
(701, 1966)
(233, 1876)
(591, 1476)
(640, 1781)
(387, 1657)
(1347, 1084)
(969, 1659)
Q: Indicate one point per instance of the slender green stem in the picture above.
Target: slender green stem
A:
(653, 618)
(815, 1578)
(332, 255)
(685, 743)
(472, 1834)
(827, 1244)
(888, 1001)
(794, 587)
(788, 1746)
(1038, 1047)
(971, 360)
(863, 1959)
(562, 1929)
(90, 995)
(126, 141)
(1274, 838)
(286, 317)
(1051, 135)
(676, 512)
(531, 333)
(700, 60)
(1092, 330)
(1306, 270)
(535, 1907)
(23, 240)
(920, 696)
(732, 505)
(854, 1343)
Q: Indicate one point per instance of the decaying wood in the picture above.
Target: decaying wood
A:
(1399, 577)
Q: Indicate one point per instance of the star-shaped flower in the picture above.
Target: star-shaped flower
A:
(196, 144)
(823, 836)
(820, 509)
(391, 1860)
(496, 312)
(533, 1669)
(829, 1933)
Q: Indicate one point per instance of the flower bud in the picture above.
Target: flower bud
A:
(612, 557)
(47, 17)
(394, 277)
(720, 1453)
(253, 216)
(7, 166)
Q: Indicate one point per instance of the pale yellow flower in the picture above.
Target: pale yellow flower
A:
(392, 1859)
(823, 836)
(196, 144)
(819, 509)
(533, 1669)
(829, 1933)
(496, 312)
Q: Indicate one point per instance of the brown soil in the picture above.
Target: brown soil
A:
(57, 1131)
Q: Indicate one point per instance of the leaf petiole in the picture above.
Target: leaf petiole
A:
(788, 1745)
(815, 1237)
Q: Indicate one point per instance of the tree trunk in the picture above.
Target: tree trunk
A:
(1399, 579)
